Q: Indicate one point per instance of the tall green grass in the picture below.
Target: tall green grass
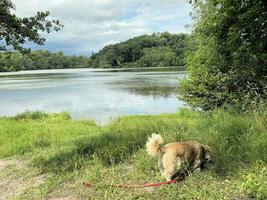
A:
(57, 144)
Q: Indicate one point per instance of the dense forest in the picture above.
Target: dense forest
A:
(158, 49)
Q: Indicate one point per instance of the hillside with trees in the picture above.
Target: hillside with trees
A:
(158, 49)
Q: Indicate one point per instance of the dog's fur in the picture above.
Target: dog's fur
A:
(178, 157)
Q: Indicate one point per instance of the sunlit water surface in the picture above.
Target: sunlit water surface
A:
(98, 94)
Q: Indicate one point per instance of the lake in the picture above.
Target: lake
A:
(99, 94)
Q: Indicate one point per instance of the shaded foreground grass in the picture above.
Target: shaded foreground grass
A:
(73, 151)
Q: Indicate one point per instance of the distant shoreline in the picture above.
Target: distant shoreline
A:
(121, 69)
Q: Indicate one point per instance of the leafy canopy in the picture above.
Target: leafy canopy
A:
(228, 65)
(15, 31)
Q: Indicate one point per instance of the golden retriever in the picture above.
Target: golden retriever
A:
(178, 156)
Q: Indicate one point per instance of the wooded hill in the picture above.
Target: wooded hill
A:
(158, 49)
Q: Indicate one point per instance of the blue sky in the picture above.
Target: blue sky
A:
(89, 25)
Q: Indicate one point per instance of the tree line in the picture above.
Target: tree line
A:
(158, 49)
(41, 59)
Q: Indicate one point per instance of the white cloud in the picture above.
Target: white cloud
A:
(91, 24)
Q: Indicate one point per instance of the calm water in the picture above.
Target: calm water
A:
(101, 95)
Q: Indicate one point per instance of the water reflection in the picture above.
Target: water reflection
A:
(149, 85)
(98, 94)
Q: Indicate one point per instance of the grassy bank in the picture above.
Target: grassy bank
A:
(67, 152)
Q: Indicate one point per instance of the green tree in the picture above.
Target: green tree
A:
(15, 31)
(228, 65)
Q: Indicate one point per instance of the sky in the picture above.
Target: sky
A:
(89, 25)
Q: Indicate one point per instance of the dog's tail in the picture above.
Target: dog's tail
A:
(153, 144)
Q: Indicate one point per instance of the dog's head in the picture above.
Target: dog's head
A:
(207, 154)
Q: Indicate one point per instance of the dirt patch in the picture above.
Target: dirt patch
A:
(64, 198)
(12, 187)
(16, 177)
(6, 162)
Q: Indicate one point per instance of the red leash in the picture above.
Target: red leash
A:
(87, 184)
